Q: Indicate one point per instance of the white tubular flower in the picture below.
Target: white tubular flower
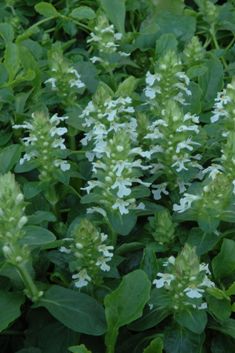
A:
(167, 83)
(105, 40)
(185, 281)
(160, 189)
(194, 292)
(89, 254)
(81, 279)
(164, 280)
(185, 203)
(44, 145)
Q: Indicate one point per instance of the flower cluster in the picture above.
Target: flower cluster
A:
(65, 80)
(115, 175)
(209, 11)
(193, 52)
(162, 227)
(168, 82)
(105, 40)
(173, 142)
(185, 282)
(12, 219)
(103, 117)
(45, 145)
(219, 186)
(89, 254)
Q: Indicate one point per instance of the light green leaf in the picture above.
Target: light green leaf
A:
(79, 349)
(12, 60)
(75, 310)
(46, 9)
(6, 32)
(116, 12)
(125, 304)
(10, 304)
(156, 346)
(83, 13)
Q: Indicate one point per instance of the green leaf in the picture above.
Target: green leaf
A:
(79, 349)
(10, 304)
(223, 264)
(116, 12)
(9, 156)
(231, 290)
(194, 320)
(83, 13)
(46, 9)
(165, 43)
(227, 327)
(149, 320)
(183, 27)
(203, 241)
(6, 32)
(12, 60)
(221, 308)
(156, 346)
(179, 340)
(125, 304)
(75, 310)
(211, 82)
(122, 224)
(36, 236)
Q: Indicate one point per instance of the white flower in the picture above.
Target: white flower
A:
(180, 163)
(207, 283)
(65, 250)
(194, 292)
(160, 189)
(164, 279)
(52, 81)
(98, 210)
(105, 250)
(102, 263)
(121, 205)
(81, 279)
(122, 184)
(202, 306)
(185, 203)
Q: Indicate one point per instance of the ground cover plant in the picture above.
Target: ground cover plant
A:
(117, 176)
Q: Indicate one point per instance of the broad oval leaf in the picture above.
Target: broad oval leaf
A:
(46, 9)
(10, 304)
(126, 304)
(75, 310)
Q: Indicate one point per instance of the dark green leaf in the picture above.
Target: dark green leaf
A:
(224, 263)
(9, 156)
(36, 236)
(126, 304)
(194, 320)
(10, 304)
(75, 310)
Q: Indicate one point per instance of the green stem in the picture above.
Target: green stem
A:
(216, 44)
(32, 290)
